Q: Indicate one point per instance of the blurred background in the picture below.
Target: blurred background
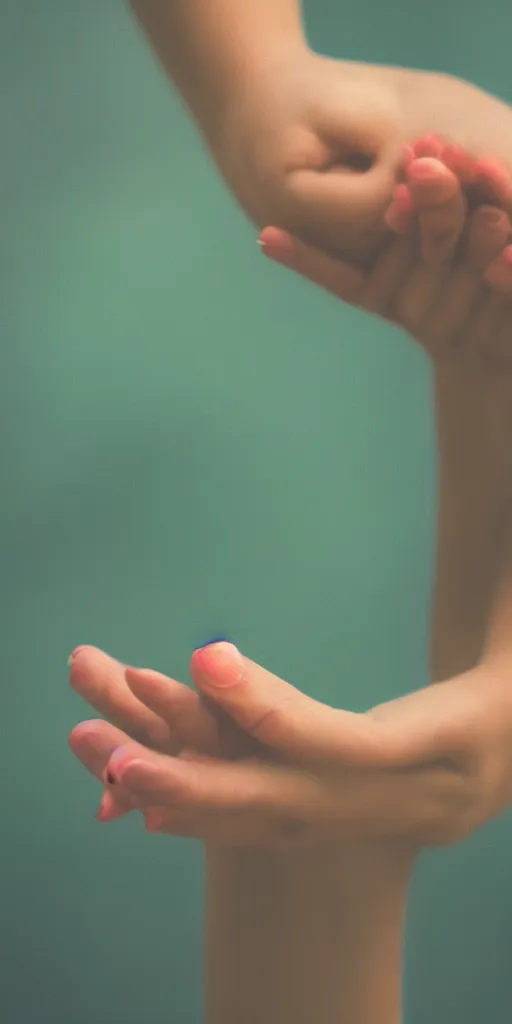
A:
(195, 443)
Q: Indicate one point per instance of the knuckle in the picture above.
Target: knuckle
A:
(271, 720)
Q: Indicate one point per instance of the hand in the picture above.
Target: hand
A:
(314, 147)
(147, 706)
(447, 277)
(427, 768)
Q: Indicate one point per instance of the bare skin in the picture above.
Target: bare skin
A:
(432, 291)
(426, 769)
(311, 144)
(466, 331)
(352, 893)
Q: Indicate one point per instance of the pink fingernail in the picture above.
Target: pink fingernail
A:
(74, 654)
(425, 169)
(429, 145)
(219, 664)
(108, 811)
(275, 242)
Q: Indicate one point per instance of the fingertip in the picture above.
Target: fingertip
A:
(429, 145)
(108, 810)
(219, 664)
(276, 243)
(82, 732)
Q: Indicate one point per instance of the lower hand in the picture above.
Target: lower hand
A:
(426, 769)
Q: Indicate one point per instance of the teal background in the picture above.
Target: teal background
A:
(194, 442)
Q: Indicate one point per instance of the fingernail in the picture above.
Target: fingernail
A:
(279, 242)
(74, 654)
(220, 665)
(425, 169)
(106, 808)
(115, 766)
(220, 639)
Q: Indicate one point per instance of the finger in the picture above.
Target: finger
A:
(178, 705)
(446, 325)
(489, 230)
(379, 291)
(93, 743)
(499, 273)
(429, 146)
(352, 193)
(440, 205)
(113, 805)
(431, 182)
(286, 720)
(492, 182)
(459, 161)
(253, 804)
(100, 680)
(418, 295)
(336, 277)
(400, 215)
(207, 784)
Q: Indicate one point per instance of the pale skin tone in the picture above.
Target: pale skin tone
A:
(451, 782)
(314, 146)
(305, 142)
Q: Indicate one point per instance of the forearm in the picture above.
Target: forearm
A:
(209, 48)
(293, 939)
(499, 634)
(474, 470)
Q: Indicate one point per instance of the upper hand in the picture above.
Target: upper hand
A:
(314, 147)
(445, 276)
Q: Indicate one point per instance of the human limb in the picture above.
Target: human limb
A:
(455, 319)
(289, 130)
(356, 891)
(305, 142)
(292, 936)
(360, 910)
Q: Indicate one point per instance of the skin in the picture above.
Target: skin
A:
(315, 146)
(351, 892)
(174, 720)
(311, 144)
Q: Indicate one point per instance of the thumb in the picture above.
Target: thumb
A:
(281, 717)
(340, 204)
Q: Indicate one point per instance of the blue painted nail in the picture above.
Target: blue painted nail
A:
(220, 639)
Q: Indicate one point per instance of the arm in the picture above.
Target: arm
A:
(294, 938)
(311, 937)
(209, 47)
(473, 431)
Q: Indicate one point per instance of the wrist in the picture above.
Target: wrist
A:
(310, 936)
(246, 87)
(213, 51)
